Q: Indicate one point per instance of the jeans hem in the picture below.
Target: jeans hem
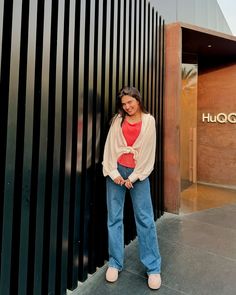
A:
(153, 273)
(115, 266)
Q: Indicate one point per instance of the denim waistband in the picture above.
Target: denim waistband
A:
(124, 171)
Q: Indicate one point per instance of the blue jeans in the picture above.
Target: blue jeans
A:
(144, 219)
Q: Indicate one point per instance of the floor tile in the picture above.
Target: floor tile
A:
(224, 217)
(208, 237)
(197, 272)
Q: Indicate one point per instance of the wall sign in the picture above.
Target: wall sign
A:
(221, 118)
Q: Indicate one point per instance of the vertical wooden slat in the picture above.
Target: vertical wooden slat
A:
(95, 207)
(54, 128)
(19, 145)
(118, 45)
(81, 83)
(103, 67)
(98, 81)
(126, 43)
(80, 121)
(132, 48)
(38, 287)
(35, 145)
(110, 21)
(155, 189)
(145, 52)
(149, 42)
(63, 186)
(160, 150)
(93, 72)
(73, 240)
(113, 61)
(107, 102)
(90, 85)
(83, 270)
(50, 146)
(141, 47)
(152, 97)
(86, 177)
(156, 78)
(120, 41)
(1, 28)
(27, 152)
(152, 61)
(68, 102)
(4, 93)
(9, 187)
(137, 23)
(98, 211)
(158, 198)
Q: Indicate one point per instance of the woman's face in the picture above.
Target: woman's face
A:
(130, 105)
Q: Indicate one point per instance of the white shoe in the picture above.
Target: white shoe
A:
(112, 274)
(154, 281)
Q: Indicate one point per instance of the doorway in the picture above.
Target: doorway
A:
(195, 195)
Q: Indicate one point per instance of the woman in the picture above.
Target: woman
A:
(128, 160)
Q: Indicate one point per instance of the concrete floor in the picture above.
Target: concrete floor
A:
(198, 257)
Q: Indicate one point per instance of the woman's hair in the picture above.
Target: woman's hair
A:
(130, 91)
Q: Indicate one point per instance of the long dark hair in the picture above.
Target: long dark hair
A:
(133, 92)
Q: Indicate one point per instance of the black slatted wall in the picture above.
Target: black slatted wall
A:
(62, 63)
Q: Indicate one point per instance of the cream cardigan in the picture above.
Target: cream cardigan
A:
(144, 149)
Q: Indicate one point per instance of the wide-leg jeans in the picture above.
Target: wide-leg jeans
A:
(144, 219)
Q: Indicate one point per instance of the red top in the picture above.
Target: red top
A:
(130, 131)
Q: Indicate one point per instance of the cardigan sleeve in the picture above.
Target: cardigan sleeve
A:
(110, 156)
(147, 153)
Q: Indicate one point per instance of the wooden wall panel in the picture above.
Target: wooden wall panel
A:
(61, 66)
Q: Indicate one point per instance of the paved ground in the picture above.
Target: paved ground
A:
(198, 253)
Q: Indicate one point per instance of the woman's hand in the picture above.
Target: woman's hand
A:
(128, 184)
(119, 180)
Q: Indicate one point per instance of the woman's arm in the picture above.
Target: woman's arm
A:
(109, 156)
